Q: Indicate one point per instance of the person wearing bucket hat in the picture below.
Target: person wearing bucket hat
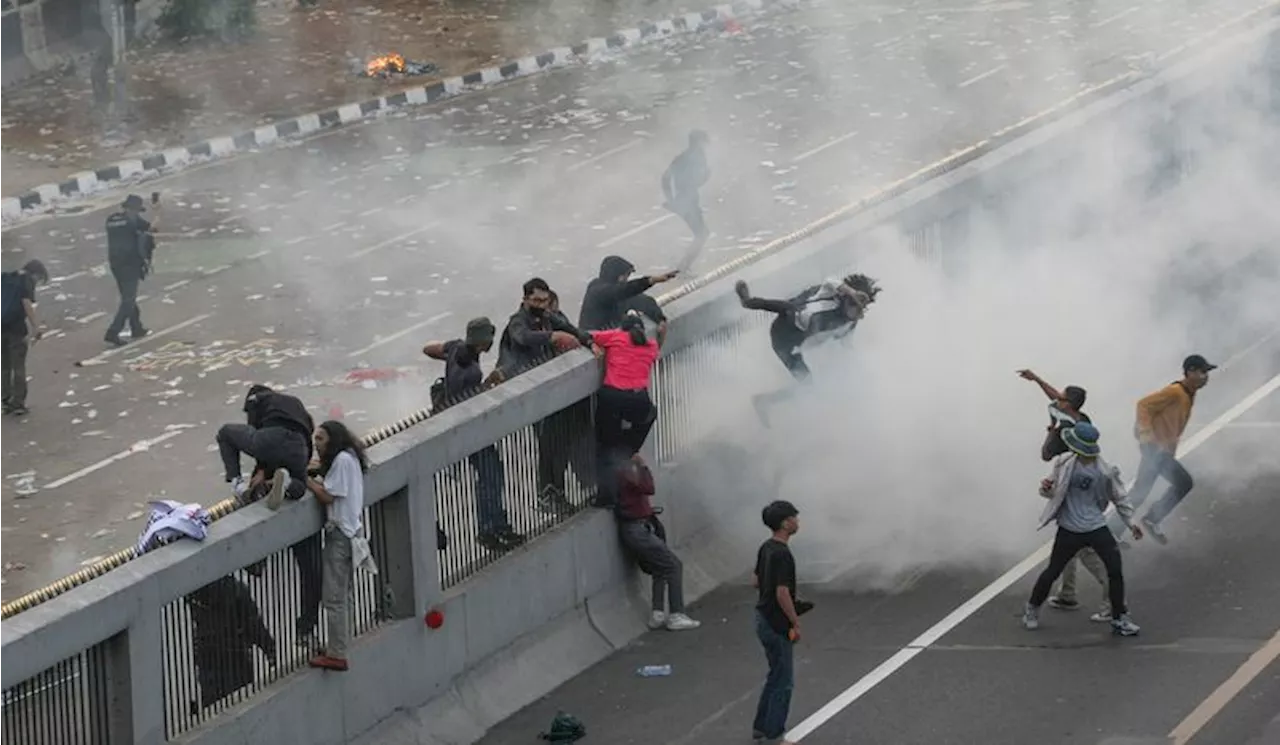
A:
(130, 245)
(1079, 489)
(1161, 419)
(1065, 410)
(463, 379)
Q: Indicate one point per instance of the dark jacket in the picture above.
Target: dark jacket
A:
(130, 244)
(267, 408)
(226, 626)
(603, 302)
(526, 341)
(686, 174)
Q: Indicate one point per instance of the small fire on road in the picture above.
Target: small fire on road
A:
(387, 65)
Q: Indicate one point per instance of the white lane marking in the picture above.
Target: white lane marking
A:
(1249, 349)
(215, 270)
(1255, 425)
(981, 76)
(400, 333)
(68, 277)
(993, 590)
(296, 241)
(141, 446)
(829, 143)
(333, 227)
(371, 211)
(620, 149)
(176, 285)
(638, 229)
(92, 316)
(258, 254)
(104, 356)
(1222, 695)
(1112, 19)
(397, 239)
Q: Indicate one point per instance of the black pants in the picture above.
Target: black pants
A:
(564, 443)
(272, 447)
(1065, 546)
(14, 357)
(127, 284)
(616, 408)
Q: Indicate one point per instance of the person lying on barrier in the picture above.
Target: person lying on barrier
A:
(823, 311)
(278, 435)
(624, 411)
(645, 539)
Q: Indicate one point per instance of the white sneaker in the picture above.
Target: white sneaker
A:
(279, 480)
(1030, 618)
(1124, 626)
(1102, 616)
(657, 619)
(681, 622)
(239, 486)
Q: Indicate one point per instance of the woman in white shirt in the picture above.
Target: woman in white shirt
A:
(339, 486)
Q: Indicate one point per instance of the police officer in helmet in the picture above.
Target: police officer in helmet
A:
(130, 244)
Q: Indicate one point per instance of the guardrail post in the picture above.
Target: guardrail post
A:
(397, 564)
(419, 505)
(135, 679)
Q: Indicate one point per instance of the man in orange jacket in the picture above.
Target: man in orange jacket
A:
(1162, 417)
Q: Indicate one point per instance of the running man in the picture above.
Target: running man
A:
(824, 311)
(1162, 417)
(1079, 488)
(680, 183)
(1065, 410)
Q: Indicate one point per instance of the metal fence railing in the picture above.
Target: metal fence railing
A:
(68, 704)
(229, 639)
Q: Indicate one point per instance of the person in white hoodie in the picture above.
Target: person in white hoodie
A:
(1079, 488)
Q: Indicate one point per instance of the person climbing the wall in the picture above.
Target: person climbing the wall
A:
(823, 311)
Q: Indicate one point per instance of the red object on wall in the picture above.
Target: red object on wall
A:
(434, 619)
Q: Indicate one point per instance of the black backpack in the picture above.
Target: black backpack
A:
(564, 728)
(12, 311)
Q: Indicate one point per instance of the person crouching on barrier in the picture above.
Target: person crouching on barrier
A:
(644, 537)
(624, 411)
(1079, 489)
(823, 311)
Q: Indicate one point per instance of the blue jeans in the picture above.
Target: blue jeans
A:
(491, 478)
(775, 699)
(1156, 462)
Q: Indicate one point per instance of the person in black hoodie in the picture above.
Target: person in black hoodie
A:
(278, 436)
(226, 626)
(603, 304)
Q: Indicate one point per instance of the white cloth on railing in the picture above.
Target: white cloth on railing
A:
(170, 521)
(361, 556)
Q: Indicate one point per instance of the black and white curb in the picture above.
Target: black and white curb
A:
(171, 160)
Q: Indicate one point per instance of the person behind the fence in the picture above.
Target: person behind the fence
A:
(338, 485)
(278, 435)
(624, 411)
(462, 379)
(602, 303)
(1080, 488)
(643, 536)
(823, 311)
(563, 437)
(226, 626)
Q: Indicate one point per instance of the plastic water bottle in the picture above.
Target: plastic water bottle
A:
(654, 671)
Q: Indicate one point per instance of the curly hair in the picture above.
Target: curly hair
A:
(863, 283)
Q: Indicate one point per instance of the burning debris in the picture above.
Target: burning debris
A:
(388, 65)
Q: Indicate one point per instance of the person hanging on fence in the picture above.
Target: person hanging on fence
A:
(226, 626)
(645, 539)
(463, 379)
(823, 311)
(624, 411)
(338, 484)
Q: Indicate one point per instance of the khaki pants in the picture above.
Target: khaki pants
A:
(1091, 561)
(337, 591)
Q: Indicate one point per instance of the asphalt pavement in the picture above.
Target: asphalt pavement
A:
(1207, 602)
(348, 250)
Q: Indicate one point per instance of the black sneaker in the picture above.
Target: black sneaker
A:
(511, 538)
(18, 410)
(114, 340)
(1062, 603)
(493, 542)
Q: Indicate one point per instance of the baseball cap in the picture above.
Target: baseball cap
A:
(1198, 363)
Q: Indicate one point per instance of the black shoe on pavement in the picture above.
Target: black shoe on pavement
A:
(18, 410)
(114, 340)
(140, 333)
(493, 542)
(511, 538)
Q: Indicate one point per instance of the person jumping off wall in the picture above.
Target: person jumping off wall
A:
(828, 310)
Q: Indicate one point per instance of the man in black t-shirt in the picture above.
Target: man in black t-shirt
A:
(777, 618)
(463, 379)
(19, 330)
(1065, 409)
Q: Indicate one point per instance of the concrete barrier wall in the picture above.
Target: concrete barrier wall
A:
(514, 630)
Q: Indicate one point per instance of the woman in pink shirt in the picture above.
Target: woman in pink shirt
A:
(629, 356)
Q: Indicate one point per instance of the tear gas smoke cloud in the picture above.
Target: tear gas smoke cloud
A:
(917, 447)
